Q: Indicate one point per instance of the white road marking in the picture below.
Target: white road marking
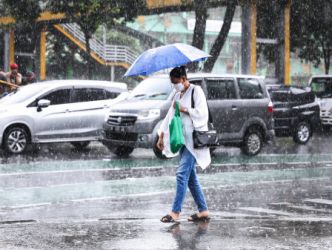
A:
(77, 170)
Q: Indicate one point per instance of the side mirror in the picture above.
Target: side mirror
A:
(43, 103)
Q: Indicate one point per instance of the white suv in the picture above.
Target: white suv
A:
(56, 111)
(321, 85)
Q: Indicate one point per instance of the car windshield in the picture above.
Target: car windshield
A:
(322, 87)
(21, 94)
(152, 89)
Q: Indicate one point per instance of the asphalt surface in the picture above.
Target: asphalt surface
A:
(281, 150)
(244, 216)
(58, 198)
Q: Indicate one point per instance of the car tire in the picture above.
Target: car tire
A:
(121, 151)
(80, 145)
(16, 140)
(302, 133)
(253, 142)
(157, 152)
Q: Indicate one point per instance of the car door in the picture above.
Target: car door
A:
(51, 123)
(220, 95)
(253, 102)
(89, 108)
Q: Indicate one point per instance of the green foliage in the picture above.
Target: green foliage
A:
(90, 14)
(311, 33)
(25, 12)
(267, 14)
(58, 52)
(311, 30)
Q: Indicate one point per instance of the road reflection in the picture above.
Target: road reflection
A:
(189, 240)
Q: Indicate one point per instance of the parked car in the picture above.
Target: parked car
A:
(240, 106)
(56, 111)
(321, 85)
(295, 112)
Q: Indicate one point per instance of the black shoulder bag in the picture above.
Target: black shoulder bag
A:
(208, 138)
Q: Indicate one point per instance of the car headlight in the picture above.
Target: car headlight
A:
(148, 114)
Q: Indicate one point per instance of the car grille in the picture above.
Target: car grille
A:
(121, 120)
(121, 136)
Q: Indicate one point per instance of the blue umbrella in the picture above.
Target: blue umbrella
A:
(165, 57)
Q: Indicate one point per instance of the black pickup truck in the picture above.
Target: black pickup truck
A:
(295, 112)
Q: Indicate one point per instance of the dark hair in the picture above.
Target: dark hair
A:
(178, 72)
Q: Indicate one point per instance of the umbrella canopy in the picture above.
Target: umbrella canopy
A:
(165, 57)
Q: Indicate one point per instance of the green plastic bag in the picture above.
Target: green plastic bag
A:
(175, 131)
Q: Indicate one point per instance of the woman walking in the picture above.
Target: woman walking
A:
(192, 118)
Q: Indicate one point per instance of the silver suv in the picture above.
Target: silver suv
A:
(56, 111)
(239, 104)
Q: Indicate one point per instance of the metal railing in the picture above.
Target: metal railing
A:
(107, 52)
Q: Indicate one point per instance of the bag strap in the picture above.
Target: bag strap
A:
(193, 105)
(177, 109)
(192, 98)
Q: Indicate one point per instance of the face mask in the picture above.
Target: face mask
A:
(179, 87)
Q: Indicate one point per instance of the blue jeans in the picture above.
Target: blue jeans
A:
(186, 177)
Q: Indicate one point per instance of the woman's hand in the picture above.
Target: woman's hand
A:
(174, 104)
(160, 143)
(181, 108)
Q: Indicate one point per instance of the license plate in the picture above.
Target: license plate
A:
(118, 129)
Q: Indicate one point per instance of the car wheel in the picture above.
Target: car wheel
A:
(80, 145)
(253, 142)
(302, 133)
(157, 152)
(16, 140)
(121, 151)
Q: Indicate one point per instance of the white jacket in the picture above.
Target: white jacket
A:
(197, 118)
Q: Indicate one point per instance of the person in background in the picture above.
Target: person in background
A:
(28, 77)
(2, 75)
(3, 78)
(13, 76)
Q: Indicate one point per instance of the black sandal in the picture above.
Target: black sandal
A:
(168, 219)
(195, 218)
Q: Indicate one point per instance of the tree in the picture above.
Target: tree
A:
(3, 9)
(222, 36)
(90, 14)
(311, 34)
(59, 51)
(201, 15)
(311, 31)
(201, 7)
(26, 12)
(267, 14)
(27, 29)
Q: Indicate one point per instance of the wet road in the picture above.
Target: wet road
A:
(285, 213)
(58, 198)
(320, 145)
